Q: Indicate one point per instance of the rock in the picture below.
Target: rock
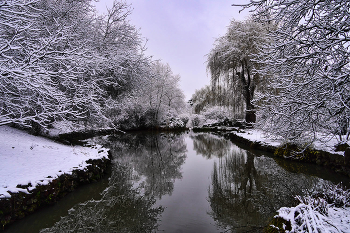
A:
(341, 147)
(347, 157)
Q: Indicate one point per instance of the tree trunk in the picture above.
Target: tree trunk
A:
(248, 92)
(250, 116)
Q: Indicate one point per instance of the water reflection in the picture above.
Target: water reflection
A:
(155, 158)
(121, 209)
(246, 190)
(210, 146)
(205, 184)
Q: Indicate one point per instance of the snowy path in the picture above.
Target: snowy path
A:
(27, 159)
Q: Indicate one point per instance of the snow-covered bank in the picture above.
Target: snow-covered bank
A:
(27, 159)
(259, 140)
(320, 154)
(328, 209)
(321, 213)
(256, 135)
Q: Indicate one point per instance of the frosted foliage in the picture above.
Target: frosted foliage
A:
(60, 61)
(308, 62)
(202, 98)
(27, 90)
(216, 113)
(328, 211)
(156, 101)
(42, 61)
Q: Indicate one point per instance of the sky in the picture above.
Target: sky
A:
(182, 32)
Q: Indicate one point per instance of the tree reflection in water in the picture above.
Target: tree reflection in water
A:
(209, 146)
(154, 161)
(246, 189)
(155, 158)
(121, 209)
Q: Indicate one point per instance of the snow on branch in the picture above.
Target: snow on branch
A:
(323, 211)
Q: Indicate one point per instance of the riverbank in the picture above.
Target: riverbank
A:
(24, 202)
(325, 210)
(36, 171)
(322, 154)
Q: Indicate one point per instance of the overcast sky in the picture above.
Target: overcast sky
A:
(182, 32)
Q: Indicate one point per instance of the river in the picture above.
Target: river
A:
(180, 182)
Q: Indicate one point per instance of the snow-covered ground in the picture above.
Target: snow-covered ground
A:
(25, 158)
(259, 136)
(256, 135)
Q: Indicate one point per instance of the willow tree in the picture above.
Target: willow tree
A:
(232, 61)
(202, 98)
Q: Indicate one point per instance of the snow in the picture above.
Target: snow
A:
(256, 135)
(328, 145)
(304, 218)
(30, 159)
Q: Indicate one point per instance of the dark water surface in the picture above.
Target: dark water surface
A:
(180, 183)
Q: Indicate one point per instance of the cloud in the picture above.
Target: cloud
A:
(182, 32)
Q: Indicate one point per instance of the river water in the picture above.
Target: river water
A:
(185, 182)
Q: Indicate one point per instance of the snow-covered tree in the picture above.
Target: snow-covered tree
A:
(83, 93)
(32, 54)
(118, 50)
(232, 60)
(116, 63)
(309, 64)
(202, 98)
(59, 60)
(162, 93)
(155, 100)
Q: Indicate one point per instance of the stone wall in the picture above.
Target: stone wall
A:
(21, 204)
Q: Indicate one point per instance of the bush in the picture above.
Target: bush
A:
(176, 123)
(318, 212)
(135, 117)
(184, 119)
(195, 120)
(297, 152)
(216, 113)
